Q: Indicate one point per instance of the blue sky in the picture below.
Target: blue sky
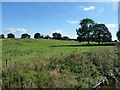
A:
(62, 17)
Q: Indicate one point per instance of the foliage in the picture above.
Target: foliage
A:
(65, 38)
(25, 35)
(2, 36)
(37, 35)
(56, 36)
(91, 31)
(47, 37)
(10, 35)
(84, 31)
(101, 33)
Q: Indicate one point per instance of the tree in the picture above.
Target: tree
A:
(47, 37)
(2, 36)
(41, 36)
(59, 36)
(25, 35)
(84, 31)
(37, 35)
(118, 33)
(28, 36)
(100, 33)
(10, 35)
(56, 36)
(65, 38)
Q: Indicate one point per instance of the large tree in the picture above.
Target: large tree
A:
(118, 33)
(85, 28)
(10, 35)
(100, 33)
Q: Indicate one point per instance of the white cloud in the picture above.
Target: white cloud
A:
(73, 21)
(111, 25)
(16, 30)
(21, 30)
(88, 8)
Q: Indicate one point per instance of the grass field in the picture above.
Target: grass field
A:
(23, 49)
(38, 63)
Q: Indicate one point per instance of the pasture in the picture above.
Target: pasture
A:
(23, 49)
(36, 63)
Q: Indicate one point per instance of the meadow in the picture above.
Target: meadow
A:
(42, 63)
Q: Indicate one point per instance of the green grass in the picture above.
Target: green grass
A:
(23, 49)
(35, 63)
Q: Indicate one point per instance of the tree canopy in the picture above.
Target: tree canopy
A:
(65, 38)
(56, 36)
(10, 35)
(37, 35)
(100, 33)
(47, 37)
(85, 28)
(25, 35)
(2, 36)
(91, 31)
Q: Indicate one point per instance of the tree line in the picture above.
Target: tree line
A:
(55, 35)
(88, 31)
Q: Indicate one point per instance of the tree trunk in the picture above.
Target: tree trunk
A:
(88, 38)
(98, 42)
(99, 39)
(88, 42)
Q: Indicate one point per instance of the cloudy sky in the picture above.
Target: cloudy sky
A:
(62, 17)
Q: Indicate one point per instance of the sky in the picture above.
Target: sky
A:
(61, 17)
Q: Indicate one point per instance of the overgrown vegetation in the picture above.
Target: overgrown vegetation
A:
(27, 64)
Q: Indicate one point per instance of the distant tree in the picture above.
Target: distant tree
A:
(25, 35)
(47, 37)
(59, 36)
(84, 31)
(37, 35)
(2, 36)
(56, 36)
(42, 36)
(10, 35)
(118, 33)
(28, 36)
(100, 33)
(65, 38)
